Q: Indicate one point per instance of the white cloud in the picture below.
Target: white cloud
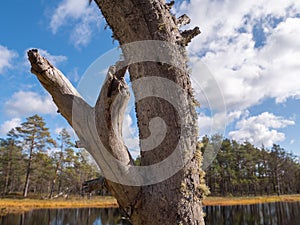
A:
(281, 77)
(205, 124)
(246, 74)
(261, 129)
(54, 59)
(8, 125)
(232, 63)
(67, 9)
(220, 20)
(216, 124)
(130, 135)
(27, 103)
(6, 57)
(83, 17)
(82, 33)
(209, 125)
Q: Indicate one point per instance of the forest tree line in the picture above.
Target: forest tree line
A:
(243, 169)
(33, 162)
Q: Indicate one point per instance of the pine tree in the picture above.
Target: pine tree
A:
(11, 162)
(35, 138)
(65, 143)
(133, 21)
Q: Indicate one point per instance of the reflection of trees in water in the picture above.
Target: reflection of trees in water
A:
(87, 216)
(84, 216)
(110, 217)
(280, 213)
(12, 219)
(283, 213)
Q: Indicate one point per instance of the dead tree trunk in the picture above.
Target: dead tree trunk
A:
(177, 199)
(28, 169)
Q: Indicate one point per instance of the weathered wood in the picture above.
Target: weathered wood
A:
(82, 117)
(183, 20)
(176, 200)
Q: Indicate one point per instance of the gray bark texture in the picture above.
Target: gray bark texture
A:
(178, 199)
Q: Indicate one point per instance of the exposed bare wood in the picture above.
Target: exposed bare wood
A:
(82, 117)
(183, 20)
(60, 88)
(170, 4)
(176, 200)
(138, 20)
(188, 35)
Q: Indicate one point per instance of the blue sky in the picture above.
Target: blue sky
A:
(250, 48)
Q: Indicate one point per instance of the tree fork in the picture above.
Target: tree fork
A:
(66, 96)
(176, 200)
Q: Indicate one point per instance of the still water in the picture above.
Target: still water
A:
(259, 214)
(280, 213)
(82, 216)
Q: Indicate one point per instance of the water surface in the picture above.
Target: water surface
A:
(281, 213)
(81, 216)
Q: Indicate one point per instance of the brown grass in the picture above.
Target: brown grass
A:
(225, 201)
(22, 205)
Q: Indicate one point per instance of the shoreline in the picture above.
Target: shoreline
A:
(248, 200)
(9, 205)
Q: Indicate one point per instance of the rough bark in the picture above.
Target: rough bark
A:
(176, 200)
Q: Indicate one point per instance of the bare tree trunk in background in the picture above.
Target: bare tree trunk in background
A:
(28, 169)
(176, 200)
